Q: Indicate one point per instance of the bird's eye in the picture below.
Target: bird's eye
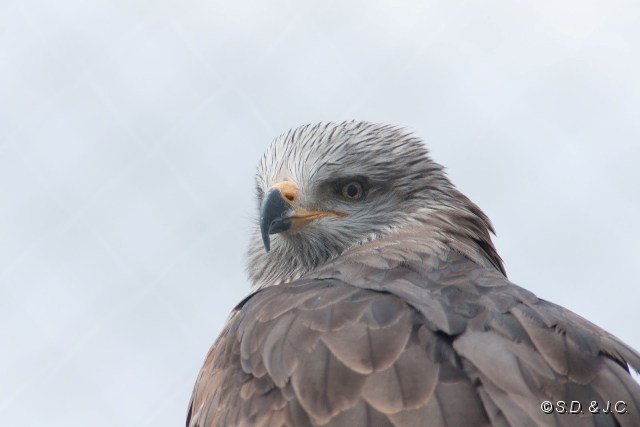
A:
(352, 191)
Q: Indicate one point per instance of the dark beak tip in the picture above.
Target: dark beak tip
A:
(266, 240)
(273, 214)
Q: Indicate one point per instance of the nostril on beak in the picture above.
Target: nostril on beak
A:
(288, 191)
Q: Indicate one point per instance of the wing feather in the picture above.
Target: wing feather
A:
(392, 335)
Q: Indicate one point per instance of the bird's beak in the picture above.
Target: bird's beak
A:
(280, 212)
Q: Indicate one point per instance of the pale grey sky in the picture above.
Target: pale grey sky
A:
(129, 133)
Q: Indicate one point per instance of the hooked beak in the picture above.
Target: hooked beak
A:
(274, 216)
(280, 212)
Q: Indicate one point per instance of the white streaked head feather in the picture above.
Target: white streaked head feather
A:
(407, 189)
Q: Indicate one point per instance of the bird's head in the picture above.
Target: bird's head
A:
(324, 188)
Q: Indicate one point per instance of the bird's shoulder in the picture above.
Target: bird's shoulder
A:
(395, 336)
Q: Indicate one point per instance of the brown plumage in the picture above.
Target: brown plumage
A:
(415, 326)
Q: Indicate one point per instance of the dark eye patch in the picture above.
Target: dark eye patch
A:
(342, 186)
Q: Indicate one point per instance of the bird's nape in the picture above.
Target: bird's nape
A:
(385, 303)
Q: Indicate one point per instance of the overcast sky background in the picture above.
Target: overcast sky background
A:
(129, 133)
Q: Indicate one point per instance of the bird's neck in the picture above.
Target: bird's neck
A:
(287, 260)
(466, 231)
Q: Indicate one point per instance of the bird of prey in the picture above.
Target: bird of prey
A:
(379, 299)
